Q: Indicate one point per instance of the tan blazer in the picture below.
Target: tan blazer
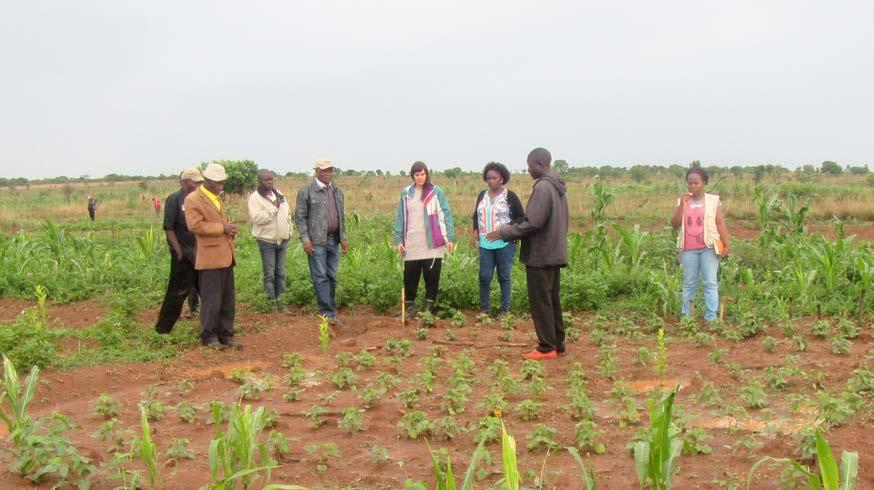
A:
(215, 250)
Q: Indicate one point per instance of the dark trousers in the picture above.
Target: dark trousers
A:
(217, 305)
(182, 283)
(414, 269)
(544, 284)
(91, 213)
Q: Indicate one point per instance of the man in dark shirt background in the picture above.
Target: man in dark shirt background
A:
(183, 277)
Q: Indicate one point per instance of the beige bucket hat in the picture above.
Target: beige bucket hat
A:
(191, 174)
(215, 173)
(323, 163)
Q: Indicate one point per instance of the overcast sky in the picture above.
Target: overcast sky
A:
(97, 87)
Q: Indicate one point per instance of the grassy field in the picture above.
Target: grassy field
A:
(791, 356)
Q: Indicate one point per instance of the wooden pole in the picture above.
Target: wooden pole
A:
(403, 306)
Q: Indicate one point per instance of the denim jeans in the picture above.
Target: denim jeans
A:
(489, 260)
(323, 271)
(273, 267)
(706, 263)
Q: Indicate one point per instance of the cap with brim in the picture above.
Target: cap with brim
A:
(191, 174)
(323, 163)
(215, 173)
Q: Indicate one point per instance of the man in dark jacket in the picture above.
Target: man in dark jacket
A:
(183, 277)
(319, 217)
(544, 252)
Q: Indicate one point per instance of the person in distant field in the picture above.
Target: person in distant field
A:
(494, 207)
(92, 207)
(207, 219)
(424, 231)
(702, 240)
(544, 252)
(183, 277)
(320, 220)
(156, 203)
(271, 227)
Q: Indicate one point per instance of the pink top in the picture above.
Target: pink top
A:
(693, 217)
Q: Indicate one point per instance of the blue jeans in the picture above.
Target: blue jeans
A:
(706, 263)
(323, 271)
(489, 260)
(273, 267)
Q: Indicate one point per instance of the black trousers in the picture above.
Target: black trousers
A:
(414, 269)
(181, 285)
(217, 305)
(91, 213)
(544, 284)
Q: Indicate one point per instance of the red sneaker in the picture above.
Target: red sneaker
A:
(536, 354)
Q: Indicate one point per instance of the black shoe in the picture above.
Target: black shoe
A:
(162, 331)
(334, 321)
(214, 345)
(231, 344)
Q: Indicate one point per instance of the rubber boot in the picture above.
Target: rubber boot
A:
(429, 306)
(410, 311)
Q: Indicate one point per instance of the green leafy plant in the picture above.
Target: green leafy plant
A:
(379, 454)
(753, 394)
(542, 436)
(529, 409)
(830, 477)
(587, 473)
(186, 411)
(414, 423)
(586, 435)
(324, 334)
(236, 456)
(316, 416)
(107, 406)
(112, 432)
(350, 420)
(178, 449)
(323, 454)
(364, 360)
(345, 379)
(655, 456)
(146, 449)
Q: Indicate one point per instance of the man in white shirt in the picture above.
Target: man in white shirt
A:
(271, 227)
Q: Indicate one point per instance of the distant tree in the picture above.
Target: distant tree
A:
(736, 170)
(832, 168)
(695, 164)
(808, 168)
(379, 172)
(560, 166)
(241, 175)
(759, 172)
(862, 170)
(871, 180)
(639, 173)
(453, 173)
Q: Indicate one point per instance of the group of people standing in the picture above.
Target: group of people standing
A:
(201, 240)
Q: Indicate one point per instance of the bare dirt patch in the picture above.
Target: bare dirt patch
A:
(267, 337)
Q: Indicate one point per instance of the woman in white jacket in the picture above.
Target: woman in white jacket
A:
(271, 227)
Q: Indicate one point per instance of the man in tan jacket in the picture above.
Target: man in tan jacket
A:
(214, 259)
(271, 227)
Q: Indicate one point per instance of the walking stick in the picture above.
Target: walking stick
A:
(403, 307)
